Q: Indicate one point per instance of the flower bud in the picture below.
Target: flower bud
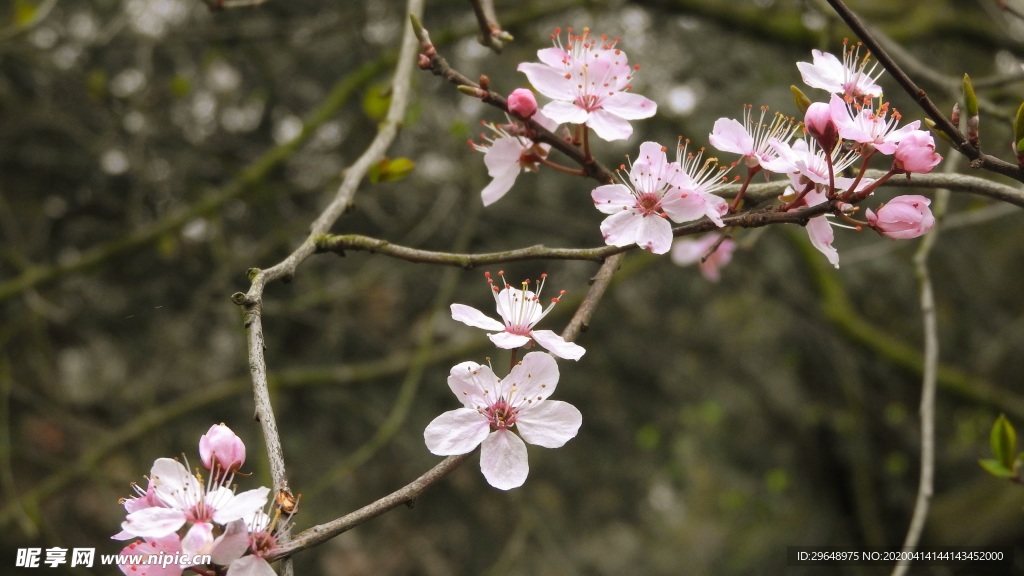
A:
(522, 103)
(916, 153)
(222, 447)
(819, 124)
(903, 217)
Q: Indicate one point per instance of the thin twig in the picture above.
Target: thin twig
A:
(978, 159)
(491, 33)
(929, 378)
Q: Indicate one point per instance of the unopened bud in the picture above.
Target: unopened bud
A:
(819, 124)
(954, 115)
(485, 82)
(522, 102)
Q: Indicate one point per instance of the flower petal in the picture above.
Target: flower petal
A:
(820, 233)
(508, 341)
(620, 228)
(153, 522)
(198, 539)
(729, 135)
(557, 345)
(654, 234)
(456, 432)
(565, 112)
(230, 545)
(242, 505)
(472, 317)
(472, 383)
(503, 460)
(629, 106)
(549, 424)
(534, 378)
(549, 81)
(608, 126)
(612, 198)
(251, 565)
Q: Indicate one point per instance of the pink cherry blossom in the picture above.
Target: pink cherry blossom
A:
(520, 310)
(588, 83)
(508, 154)
(849, 78)
(493, 407)
(752, 139)
(186, 500)
(916, 153)
(806, 163)
(223, 448)
(657, 190)
(903, 217)
(261, 541)
(865, 122)
(819, 124)
(710, 252)
(157, 549)
(522, 102)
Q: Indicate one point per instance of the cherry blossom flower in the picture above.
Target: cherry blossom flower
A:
(520, 310)
(849, 78)
(752, 139)
(522, 103)
(916, 153)
(588, 83)
(261, 541)
(507, 154)
(701, 178)
(155, 549)
(806, 163)
(861, 122)
(710, 252)
(222, 448)
(903, 217)
(186, 500)
(657, 190)
(493, 407)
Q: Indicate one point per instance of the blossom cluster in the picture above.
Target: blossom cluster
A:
(589, 83)
(181, 514)
(493, 408)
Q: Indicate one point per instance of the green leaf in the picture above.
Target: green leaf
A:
(390, 170)
(995, 468)
(970, 98)
(801, 99)
(376, 102)
(1003, 440)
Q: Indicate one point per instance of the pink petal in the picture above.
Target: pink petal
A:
(472, 317)
(654, 234)
(820, 233)
(198, 539)
(728, 135)
(557, 345)
(457, 431)
(549, 424)
(535, 378)
(608, 126)
(686, 208)
(549, 81)
(242, 505)
(503, 156)
(503, 460)
(620, 229)
(250, 566)
(554, 57)
(154, 522)
(612, 198)
(498, 187)
(826, 73)
(629, 106)
(565, 112)
(230, 545)
(471, 383)
(508, 341)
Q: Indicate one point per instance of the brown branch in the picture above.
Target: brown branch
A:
(491, 34)
(978, 159)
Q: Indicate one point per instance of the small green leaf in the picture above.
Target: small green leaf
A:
(24, 13)
(376, 102)
(995, 468)
(1018, 127)
(390, 170)
(801, 99)
(970, 98)
(1003, 440)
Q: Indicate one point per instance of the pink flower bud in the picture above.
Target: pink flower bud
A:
(522, 102)
(222, 447)
(819, 124)
(916, 153)
(903, 217)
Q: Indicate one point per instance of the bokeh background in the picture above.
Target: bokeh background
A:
(152, 151)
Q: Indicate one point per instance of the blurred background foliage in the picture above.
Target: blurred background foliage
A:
(152, 151)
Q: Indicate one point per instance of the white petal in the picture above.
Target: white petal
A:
(549, 81)
(230, 545)
(729, 135)
(629, 106)
(456, 432)
(198, 539)
(565, 112)
(472, 384)
(508, 341)
(250, 566)
(612, 198)
(557, 345)
(503, 460)
(153, 522)
(608, 126)
(654, 234)
(172, 483)
(820, 233)
(554, 57)
(534, 379)
(549, 424)
(620, 228)
(472, 317)
(498, 187)
(242, 505)
(684, 205)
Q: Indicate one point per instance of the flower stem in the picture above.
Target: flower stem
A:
(743, 190)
